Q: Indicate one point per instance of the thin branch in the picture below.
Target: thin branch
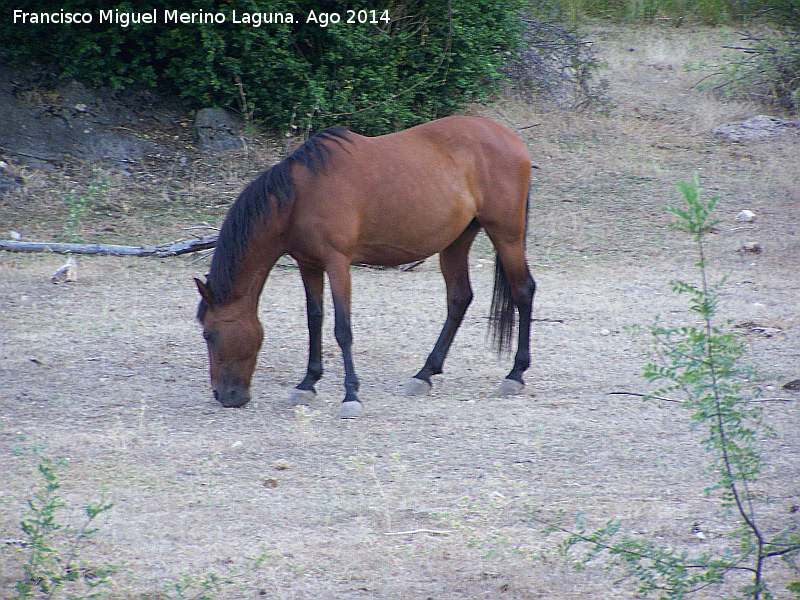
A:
(788, 550)
(415, 531)
(755, 401)
(643, 396)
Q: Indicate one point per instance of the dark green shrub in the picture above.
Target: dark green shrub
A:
(416, 61)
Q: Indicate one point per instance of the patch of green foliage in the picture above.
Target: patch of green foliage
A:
(785, 13)
(52, 549)
(410, 61)
(78, 204)
(51, 553)
(211, 585)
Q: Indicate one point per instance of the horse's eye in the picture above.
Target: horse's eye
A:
(208, 336)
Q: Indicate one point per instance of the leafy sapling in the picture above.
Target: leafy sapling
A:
(703, 364)
(52, 562)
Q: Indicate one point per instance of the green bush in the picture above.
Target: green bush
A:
(416, 61)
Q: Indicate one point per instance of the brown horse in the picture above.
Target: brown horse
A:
(341, 199)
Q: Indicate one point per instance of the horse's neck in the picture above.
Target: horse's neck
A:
(260, 257)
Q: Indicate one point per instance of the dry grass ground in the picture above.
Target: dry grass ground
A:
(110, 374)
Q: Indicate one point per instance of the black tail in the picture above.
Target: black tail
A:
(502, 314)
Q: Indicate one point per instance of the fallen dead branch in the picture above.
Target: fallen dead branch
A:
(169, 249)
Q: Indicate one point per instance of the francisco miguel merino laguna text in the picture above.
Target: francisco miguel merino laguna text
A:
(125, 19)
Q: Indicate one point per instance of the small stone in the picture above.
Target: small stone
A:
(751, 248)
(15, 235)
(661, 65)
(605, 332)
(270, 482)
(282, 465)
(746, 216)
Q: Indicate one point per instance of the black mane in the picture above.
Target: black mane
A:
(273, 188)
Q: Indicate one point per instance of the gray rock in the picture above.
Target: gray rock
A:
(218, 130)
(757, 128)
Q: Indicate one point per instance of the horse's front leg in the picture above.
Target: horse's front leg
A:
(339, 277)
(313, 282)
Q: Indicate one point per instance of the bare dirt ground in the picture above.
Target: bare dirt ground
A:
(110, 373)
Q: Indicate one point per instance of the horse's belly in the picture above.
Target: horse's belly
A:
(407, 240)
(389, 255)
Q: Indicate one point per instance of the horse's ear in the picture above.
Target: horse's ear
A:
(205, 292)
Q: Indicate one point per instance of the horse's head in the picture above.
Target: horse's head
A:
(233, 335)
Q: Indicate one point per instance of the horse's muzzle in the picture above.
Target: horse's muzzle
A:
(232, 396)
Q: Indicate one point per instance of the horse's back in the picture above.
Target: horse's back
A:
(454, 149)
(407, 195)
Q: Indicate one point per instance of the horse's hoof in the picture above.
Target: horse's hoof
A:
(350, 410)
(416, 387)
(301, 397)
(510, 387)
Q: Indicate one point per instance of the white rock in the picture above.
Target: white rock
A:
(746, 216)
(69, 272)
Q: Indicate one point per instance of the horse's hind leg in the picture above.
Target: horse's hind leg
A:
(455, 270)
(516, 278)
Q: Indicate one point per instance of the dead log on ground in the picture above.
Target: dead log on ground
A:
(170, 249)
